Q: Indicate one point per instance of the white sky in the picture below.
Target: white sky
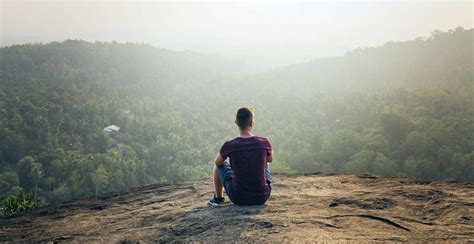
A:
(278, 33)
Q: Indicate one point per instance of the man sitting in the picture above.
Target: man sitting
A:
(245, 176)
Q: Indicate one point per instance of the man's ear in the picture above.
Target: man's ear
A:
(251, 124)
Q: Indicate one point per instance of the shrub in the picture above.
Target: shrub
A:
(17, 202)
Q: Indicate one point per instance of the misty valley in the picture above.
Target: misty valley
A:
(82, 118)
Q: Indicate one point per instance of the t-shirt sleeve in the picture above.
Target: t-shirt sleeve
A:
(224, 152)
(269, 147)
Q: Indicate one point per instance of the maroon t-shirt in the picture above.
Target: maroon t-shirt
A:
(248, 159)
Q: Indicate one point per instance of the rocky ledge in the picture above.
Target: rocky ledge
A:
(315, 207)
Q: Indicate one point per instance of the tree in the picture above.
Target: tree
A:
(339, 148)
(24, 167)
(100, 178)
(395, 127)
(8, 180)
(36, 173)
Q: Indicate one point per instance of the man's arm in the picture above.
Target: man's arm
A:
(219, 160)
(270, 157)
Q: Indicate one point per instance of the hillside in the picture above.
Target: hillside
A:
(443, 59)
(175, 109)
(129, 68)
(303, 207)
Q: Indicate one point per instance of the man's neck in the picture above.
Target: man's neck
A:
(245, 133)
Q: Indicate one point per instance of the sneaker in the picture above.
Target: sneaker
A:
(216, 201)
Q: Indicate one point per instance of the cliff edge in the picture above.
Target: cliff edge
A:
(302, 208)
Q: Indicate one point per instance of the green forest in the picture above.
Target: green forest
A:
(401, 109)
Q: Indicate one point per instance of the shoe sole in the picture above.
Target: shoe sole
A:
(212, 204)
(215, 204)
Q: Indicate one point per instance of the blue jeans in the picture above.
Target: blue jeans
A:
(225, 175)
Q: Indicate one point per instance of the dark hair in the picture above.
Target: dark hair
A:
(244, 117)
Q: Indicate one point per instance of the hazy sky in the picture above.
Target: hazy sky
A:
(277, 33)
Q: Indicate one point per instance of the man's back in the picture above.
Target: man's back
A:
(246, 177)
(248, 160)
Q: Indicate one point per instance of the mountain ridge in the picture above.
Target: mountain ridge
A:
(438, 59)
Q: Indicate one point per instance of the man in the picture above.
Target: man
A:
(245, 176)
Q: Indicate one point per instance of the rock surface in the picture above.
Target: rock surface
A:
(302, 208)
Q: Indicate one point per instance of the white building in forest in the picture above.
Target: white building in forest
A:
(111, 128)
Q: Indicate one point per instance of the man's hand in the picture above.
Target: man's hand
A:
(219, 160)
(270, 157)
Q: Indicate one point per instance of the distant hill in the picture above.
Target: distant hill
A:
(302, 208)
(124, 66)
(444, 59)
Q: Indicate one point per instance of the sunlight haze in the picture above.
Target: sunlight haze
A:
(259, 121)
(264, 34)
